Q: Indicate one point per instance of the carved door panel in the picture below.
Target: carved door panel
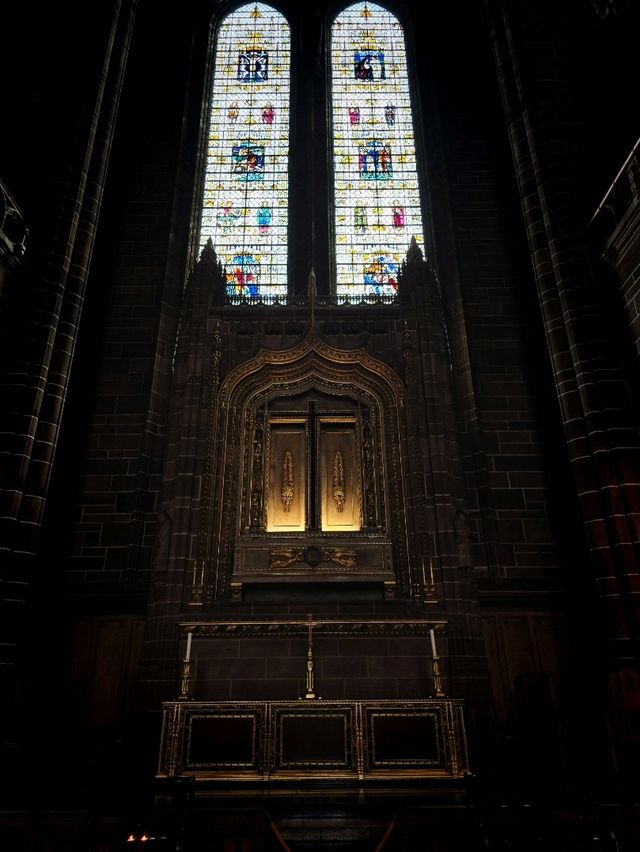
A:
(287, 478)
(339, 478)
(312, 470)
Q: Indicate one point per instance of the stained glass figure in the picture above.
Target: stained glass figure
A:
(381, 272)
(243, 278)
(376, 193)
(369, 64)
(227, 217)
(252, 66)
(397, 217)
(374, 161)
(264, 219)
(245, 200)
(248, 161)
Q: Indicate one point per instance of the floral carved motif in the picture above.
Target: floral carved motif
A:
(339, 494)
(287, 481)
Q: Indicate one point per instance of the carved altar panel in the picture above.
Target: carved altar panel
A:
(339, 477)
(286, 486)
(315, 741)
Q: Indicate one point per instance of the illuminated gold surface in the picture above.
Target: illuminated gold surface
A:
(242, 498)
(286, 484)
(340, 478)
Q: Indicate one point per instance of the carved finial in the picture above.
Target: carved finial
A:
(311, 287)
(311, 295)
(414, 254)
(414, 269)
(208, 272)
(208, 255)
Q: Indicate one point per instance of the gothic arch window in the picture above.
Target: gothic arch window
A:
(246, 178)
(376, 194)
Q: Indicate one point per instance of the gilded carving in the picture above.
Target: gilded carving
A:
(339, 494)
(394, 481)
(286, 557)
(344, 558)
(369, 471)
(257, 487)
(287, 481)
(217, 355)
(309, 365)
(357, 357)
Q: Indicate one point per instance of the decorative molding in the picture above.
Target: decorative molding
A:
(369, 476)
(310, 366)
(312, 345)
(199, 574)
(312, 557)
(329, 627)
(257, 474)
(367, 740)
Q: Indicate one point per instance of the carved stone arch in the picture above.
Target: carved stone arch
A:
(244, 549)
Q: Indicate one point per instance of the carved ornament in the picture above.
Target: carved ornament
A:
(339, 495)
(287, 481)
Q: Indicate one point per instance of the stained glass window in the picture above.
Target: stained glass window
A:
(377, 204)
(246, 180)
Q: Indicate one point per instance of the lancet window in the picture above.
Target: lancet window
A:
(246, 179)
(376, 195)
(376, 204)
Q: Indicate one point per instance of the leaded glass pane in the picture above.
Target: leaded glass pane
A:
(246, 180)
(377, 204)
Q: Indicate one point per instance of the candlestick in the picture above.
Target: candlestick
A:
(438, 691)
(432, 637)
(424, 578)
(311, 691)
(187, 655)
(431, 572)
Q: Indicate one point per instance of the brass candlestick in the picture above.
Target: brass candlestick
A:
(185, 681)
(438, 691)
(428, 584)
(186, 671)
(310, 675)
(311, 692)
(429, 595)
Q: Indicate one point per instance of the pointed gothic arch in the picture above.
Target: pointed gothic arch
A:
(312, 407)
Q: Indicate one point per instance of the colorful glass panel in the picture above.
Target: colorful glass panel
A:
(376, 195)
(246, 180)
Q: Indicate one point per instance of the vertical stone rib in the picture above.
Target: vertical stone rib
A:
(602, 437)
(38, 385)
